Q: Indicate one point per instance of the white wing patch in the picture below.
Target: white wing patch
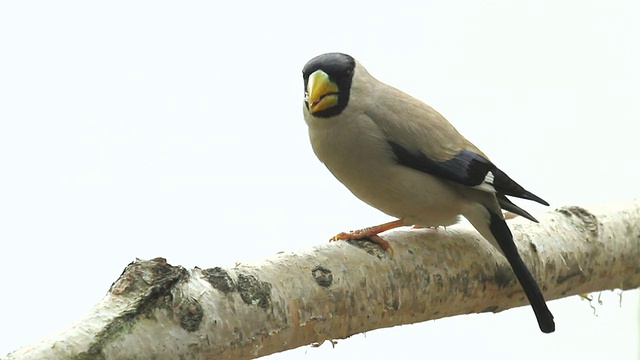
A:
(487, 184)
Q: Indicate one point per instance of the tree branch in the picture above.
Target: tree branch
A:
(340, 289)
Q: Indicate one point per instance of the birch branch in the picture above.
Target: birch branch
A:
(156, 310)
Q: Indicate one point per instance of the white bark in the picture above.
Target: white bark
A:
(339, 289)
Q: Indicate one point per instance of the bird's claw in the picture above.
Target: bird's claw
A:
(352, 235)
(371, 234)
(363, 235)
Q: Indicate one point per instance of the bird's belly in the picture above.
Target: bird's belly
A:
(405, 193)
(366, 165)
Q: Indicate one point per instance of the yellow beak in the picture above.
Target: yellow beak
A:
(322, 93)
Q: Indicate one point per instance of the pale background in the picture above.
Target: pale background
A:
(145, 129)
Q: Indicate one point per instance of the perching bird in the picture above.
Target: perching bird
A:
(402, 157)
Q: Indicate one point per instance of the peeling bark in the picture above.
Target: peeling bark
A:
(336, 290)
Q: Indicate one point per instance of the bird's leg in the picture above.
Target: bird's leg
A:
(370, 233)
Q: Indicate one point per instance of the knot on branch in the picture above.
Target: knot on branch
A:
(585, 216)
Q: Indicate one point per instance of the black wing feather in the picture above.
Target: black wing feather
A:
(470, 169)
(506, 204)
(505, 185)
(466, 168)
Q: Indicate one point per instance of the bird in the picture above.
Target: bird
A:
(402, 157)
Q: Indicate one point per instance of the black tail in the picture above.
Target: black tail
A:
(503, 236)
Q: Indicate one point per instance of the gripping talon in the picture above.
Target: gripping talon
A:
(371, 233)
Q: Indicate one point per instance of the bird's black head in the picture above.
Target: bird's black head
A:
(327, 83)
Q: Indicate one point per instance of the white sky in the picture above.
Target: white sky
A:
(175, 129)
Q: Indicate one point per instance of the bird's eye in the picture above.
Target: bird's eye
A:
(306, 97)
